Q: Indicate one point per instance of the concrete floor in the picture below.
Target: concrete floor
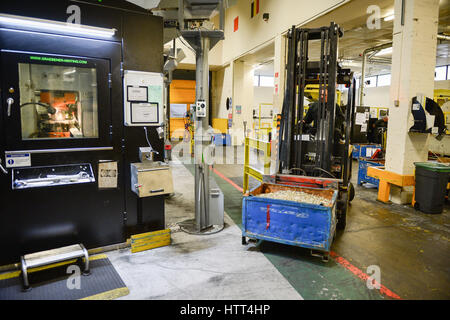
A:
(215, 267)
(410, 248)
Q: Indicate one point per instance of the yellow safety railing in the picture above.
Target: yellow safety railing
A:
(264, 125)
(252, 172)
(192, 145)
(447, 121)
(441, 96)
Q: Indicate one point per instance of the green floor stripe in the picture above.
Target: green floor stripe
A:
(309, 276)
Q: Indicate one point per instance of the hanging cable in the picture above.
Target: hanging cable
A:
(320, 169)
(184, 43)
(49, 108)
(299, 169)
(148, 141)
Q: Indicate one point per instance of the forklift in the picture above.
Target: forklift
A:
(318, 156)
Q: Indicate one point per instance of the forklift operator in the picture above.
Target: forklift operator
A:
(311, 117)
(378, 127)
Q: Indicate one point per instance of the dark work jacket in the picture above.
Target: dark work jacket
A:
(339, 120)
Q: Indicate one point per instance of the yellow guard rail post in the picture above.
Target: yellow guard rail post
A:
(248, 170)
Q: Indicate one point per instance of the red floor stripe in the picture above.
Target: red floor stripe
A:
(343, 262)
(363, 276)
(228, 180)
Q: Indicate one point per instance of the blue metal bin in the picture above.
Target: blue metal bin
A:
(288, 222)
(360, 150)
(222, 140)
(356, 150)
(363, 164)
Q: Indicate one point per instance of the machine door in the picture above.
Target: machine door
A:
(55, 102)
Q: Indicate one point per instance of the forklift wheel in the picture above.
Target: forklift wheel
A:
(342, 223)
(351, 192)
(342, 212)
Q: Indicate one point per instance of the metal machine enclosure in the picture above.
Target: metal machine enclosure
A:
(36, 219)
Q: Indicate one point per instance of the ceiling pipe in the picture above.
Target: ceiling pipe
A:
(373, 51)
(363, 69)
(443, 37)
(380, 61)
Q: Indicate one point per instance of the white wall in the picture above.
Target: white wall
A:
(376, 97)
(243, 88)
(380, 96)
(254, 32)
(442, 84)
(262, 95)
(222, 89)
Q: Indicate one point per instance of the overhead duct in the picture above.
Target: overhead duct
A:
(178, 13)
(371, 52)
(366, 52)
(174, 57)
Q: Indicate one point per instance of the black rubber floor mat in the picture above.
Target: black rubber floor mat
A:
(59, 283)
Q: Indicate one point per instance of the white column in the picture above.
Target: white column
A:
(242, 98)
(413, 67)
(279, 72)
(278, 94)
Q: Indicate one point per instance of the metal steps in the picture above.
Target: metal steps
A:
(45, 258)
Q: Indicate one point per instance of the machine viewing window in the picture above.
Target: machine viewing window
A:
(58, 102)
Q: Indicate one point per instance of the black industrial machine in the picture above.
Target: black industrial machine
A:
(428, 117)
(81, 106)
(317, 155)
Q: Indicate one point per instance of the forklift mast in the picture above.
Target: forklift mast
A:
(320, 153)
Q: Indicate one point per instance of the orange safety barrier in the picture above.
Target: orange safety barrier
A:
(388, 178)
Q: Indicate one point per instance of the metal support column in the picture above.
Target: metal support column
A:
(208, 218)
(201, 128)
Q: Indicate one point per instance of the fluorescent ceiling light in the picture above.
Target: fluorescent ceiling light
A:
(57, 26)
(384, 52)
(390, 17)
(70, 72)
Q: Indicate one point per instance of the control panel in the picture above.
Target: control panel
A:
(201, 109)
(143, 94)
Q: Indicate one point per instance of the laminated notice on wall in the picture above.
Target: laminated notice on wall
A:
(107, 175)
(370, 152)
(360, 119)
(144, 113)
(364, 128)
